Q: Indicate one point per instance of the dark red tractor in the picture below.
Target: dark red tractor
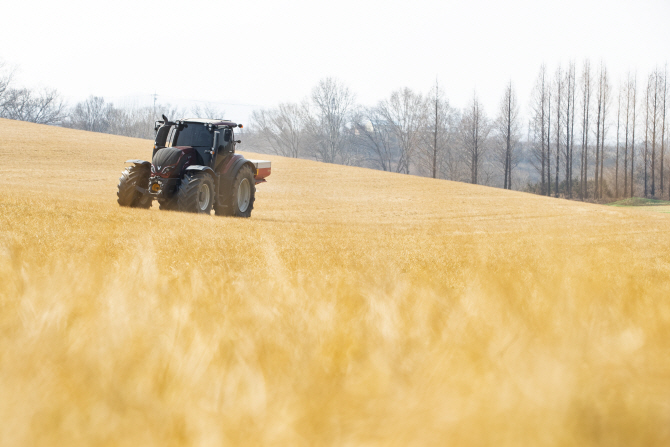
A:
(194, 168)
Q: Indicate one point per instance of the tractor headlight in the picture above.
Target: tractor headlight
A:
(167, 169)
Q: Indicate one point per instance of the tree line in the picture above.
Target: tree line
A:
(585, 138)
(42, 107)
(407, 132)
(93, 114)
(603, 159)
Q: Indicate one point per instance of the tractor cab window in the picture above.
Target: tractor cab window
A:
(170, 138)
(194, 135)
(227, 135)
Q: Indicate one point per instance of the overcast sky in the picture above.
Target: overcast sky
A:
(247, 54)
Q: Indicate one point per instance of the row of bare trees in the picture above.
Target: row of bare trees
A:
(581, 144)
(96, 115)
(407, 132)
(43, 107)
(587, 138)
(610, 166)
(655, 115)
(93, 114)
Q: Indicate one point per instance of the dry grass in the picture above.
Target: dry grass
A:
(354, 308)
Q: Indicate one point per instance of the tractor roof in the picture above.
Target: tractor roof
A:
(213, 122)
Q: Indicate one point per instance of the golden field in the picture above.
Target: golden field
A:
(354, 308)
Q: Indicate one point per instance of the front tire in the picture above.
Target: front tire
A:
(240, 203)
(196, 193)
(127, 194)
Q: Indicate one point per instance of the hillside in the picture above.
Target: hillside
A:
(355, 307)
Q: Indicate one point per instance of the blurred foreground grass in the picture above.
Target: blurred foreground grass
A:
(354, 308)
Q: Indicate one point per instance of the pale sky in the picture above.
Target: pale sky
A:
(247, 54)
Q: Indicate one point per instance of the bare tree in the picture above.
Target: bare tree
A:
(135, 122)
(549, 145)
(618, 126)
(560, 92)
(406, 115)
(208, 111)
(569, 126)
(508, 134)
(436, 131)
(600, 106)
(655, 111)
(664, 98)
(605, 99)
(633, 87)
(646, 133)
(6, 76)
(282, 128)
(474, 130)
(45, 107)
(333, 103)
(627, 132)
(572, 125)
(92, 115)
(587, 82)
(655, 117)
(539, 125)
(376, 138)
(435, 151)
(452, 168)
(602, 102)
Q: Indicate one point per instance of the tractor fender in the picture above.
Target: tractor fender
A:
(139, 162)
(201, 168)
(226, 179)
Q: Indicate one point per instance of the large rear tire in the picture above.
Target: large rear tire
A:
(240, 203)
(196, 193)
(127, 194)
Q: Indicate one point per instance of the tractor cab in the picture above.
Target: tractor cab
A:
(213, 140)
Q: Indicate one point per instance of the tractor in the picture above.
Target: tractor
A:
(194, 168)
